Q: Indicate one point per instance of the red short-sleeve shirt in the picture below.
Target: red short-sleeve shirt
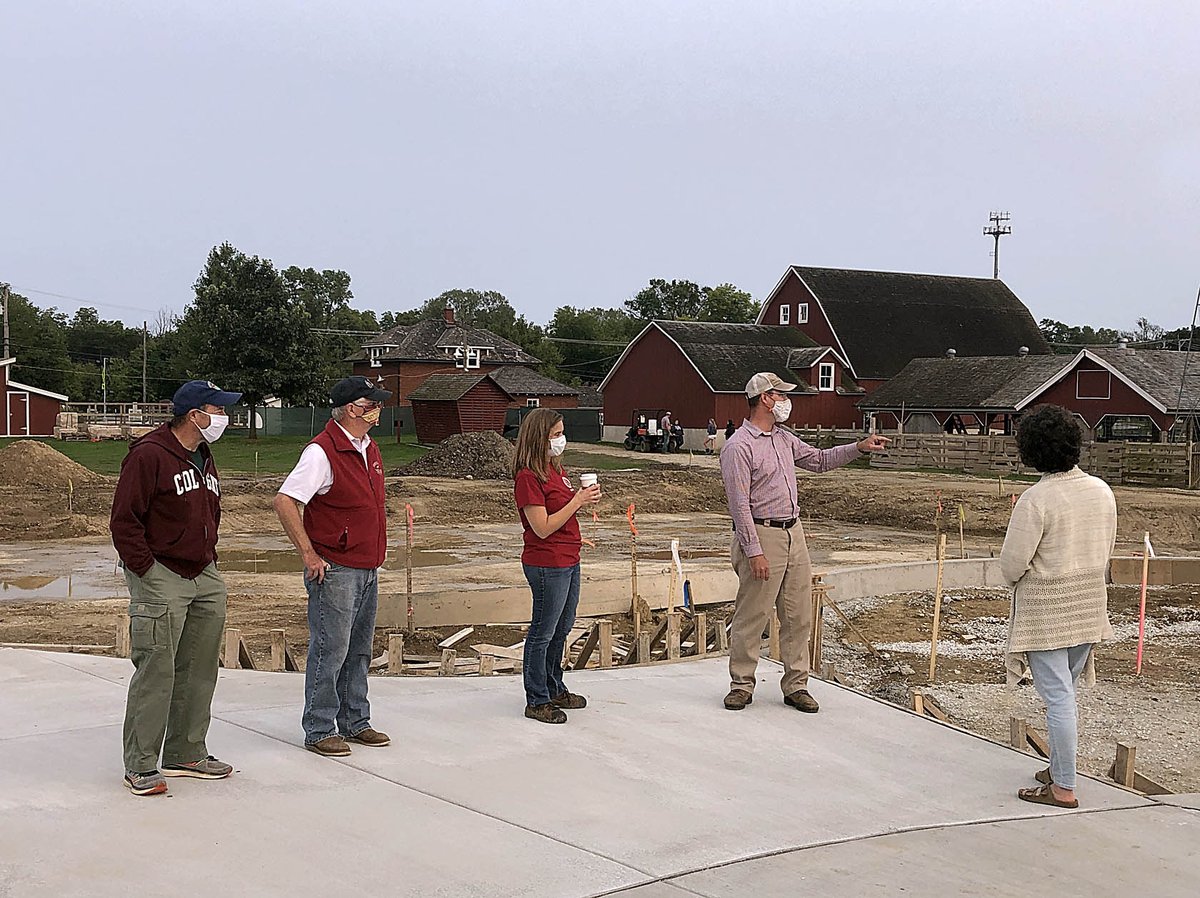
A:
(560, 548)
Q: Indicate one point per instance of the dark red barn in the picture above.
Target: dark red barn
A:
(446, 404)
(26, 411)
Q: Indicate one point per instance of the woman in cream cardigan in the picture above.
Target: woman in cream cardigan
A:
(1055, 557)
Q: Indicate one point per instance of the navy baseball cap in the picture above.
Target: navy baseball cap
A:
(199, 393)
(348, 389)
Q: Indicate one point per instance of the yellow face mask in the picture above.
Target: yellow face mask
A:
(371, 417)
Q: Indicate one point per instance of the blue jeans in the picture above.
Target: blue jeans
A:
(555, 601)
(341, 631)
(1054, 675)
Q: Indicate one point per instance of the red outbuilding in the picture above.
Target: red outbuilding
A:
(27, 411)
(446, 404)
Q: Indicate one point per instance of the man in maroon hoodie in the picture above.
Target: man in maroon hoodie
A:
(164, 523)
(342, 540)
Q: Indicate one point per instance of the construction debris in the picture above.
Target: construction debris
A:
(485, 455)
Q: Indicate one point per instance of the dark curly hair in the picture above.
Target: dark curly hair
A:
(1049, 439)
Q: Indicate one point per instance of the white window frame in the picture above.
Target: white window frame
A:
(1107, 395)
(802, 313)
(532, 403)
(474, 355)
(785, 314)
(826, 369)
(373, 353)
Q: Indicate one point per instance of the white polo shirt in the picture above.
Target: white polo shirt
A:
(313, 474)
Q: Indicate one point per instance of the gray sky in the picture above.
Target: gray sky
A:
(565, 153)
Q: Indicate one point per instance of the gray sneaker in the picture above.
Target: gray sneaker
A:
(150, 783)
(205, 769)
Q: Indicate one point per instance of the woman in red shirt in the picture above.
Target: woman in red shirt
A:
(547, 504)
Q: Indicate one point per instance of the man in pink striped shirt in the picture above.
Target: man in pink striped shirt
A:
(758, 465)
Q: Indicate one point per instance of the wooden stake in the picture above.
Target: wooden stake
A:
(487, 665)
(937, 609)
(633, 603)
(408, 551)
(245, 660)
(123, 636)
(278, 650)
(449, 659)
(701, 620)
(643, 648)
(605, 629)
(918, 702)
(774, 651)
(1142, 603)
(962, 546)
(673, 630)
(722, 638)
(395, 653)
(849, 623)
(233, 641)
(815, 640)
(1123, 766)
(1037, 742)
(1018, 733)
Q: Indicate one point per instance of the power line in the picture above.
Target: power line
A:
(88, 303)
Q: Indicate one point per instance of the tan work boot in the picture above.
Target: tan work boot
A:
(330, 747)
(370, 737)
(802, 701)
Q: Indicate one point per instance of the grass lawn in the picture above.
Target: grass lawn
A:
(582, 460)
(233, 453)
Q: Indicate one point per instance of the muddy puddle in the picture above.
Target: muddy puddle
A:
(286, 561)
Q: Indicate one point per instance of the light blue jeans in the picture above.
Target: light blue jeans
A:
(1054, 675)
(555, 601)
(341, 631)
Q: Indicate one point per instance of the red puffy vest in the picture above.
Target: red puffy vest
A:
(348, 525)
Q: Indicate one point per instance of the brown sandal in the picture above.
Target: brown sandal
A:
(1045, 795)
(1043, 777)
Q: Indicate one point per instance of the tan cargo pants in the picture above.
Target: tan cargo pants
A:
(788, 590)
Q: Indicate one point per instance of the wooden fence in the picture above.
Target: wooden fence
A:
(1133, 464)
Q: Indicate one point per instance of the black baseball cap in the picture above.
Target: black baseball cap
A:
(348, 389)
(199, 393)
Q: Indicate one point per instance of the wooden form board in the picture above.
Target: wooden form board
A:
(511, 605)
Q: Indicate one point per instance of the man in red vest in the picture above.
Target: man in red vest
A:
(342, 539)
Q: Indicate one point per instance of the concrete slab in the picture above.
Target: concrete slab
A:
(652, 783)
(1150, 851)
(1189, 800)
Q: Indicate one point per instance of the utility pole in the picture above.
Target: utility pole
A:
(104, 386)
(997, 229)
(145, 333)
(5, 298)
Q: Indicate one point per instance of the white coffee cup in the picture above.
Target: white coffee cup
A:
(586, 480)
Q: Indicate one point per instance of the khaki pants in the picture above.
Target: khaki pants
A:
(788, 590)
(175, 630)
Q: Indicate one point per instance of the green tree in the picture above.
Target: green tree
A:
(478, 308)
(256, 335)
(725, 302)
(38, 340)
(669, 300)
(1066, 338)
(591, 340)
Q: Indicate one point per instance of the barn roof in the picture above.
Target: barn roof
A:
(982, 382)
(883, 319)
(728, 355)
(1008, 382)
(518, 380)
(448, 387)
(433, 340)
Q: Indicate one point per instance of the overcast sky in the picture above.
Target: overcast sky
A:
(564, 153)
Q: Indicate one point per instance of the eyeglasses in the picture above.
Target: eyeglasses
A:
(369, 407)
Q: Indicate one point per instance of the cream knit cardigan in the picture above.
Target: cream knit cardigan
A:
(1055, 557)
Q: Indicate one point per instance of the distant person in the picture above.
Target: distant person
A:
(342, 541)
(1055, 557)
(758, 465)
(730, 429)
(710, 437)
(547, 504)
(665, 423)
(164, 522)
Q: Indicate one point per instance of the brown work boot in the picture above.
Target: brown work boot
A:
(546, 713)
(370, 737)
(737, 699)
(330, 747)
(569, 701)
(802, 701)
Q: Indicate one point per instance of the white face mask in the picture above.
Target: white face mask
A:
(216, 427)
(558, 444)
(782, 410)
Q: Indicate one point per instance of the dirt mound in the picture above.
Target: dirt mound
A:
(33, 463)
(485, 455)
